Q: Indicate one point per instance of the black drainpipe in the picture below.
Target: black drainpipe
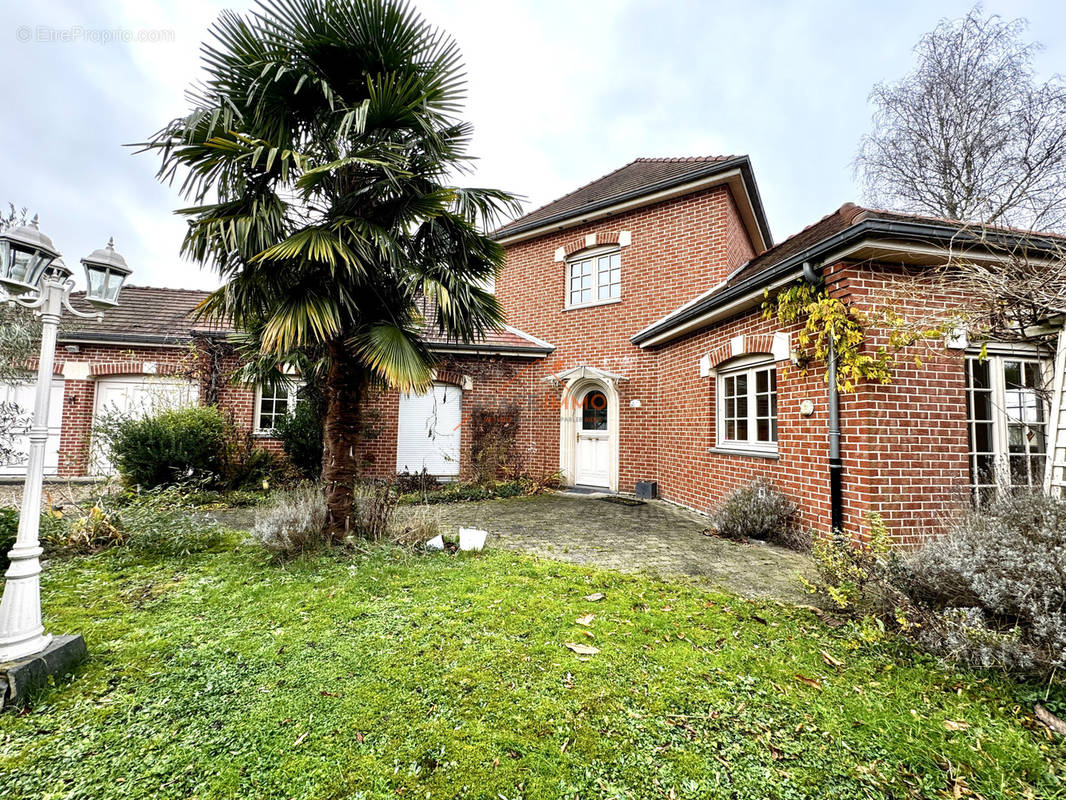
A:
(836, 463)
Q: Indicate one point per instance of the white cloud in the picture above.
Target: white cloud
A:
(559, 94)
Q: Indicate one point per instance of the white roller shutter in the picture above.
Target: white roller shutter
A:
(21, 394)
(429, 431)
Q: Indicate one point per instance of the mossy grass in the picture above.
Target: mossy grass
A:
(383, 674)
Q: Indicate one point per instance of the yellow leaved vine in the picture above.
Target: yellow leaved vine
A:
(825, 317)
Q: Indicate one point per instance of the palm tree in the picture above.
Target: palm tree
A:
(319, 154)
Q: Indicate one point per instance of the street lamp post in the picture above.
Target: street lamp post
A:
(33, 276)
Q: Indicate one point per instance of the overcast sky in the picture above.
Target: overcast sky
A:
(560, 92)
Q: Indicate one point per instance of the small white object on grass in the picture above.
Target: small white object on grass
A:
(472, 539)
(436, 543)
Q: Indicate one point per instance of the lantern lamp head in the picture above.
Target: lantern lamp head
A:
(105, 272)
(25, 255)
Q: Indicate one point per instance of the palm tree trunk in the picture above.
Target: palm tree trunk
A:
(340, 437)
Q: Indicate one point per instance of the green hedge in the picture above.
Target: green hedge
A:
(178, 446)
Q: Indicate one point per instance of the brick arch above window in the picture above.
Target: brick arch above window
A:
(776, 345)
(600, 239)
(454, 377)
(108, 368)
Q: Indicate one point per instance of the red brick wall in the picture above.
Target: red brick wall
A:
(495, 383)
(236, 400)
(904, 445)
(680, 248)
(912, 432)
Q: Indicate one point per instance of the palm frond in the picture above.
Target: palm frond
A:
(396, 355)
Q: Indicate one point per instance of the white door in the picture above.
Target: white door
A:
(135, 396)
(429, 431)
(592, 467)
(21, 395)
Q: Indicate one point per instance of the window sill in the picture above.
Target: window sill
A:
(264, 435)
(736, 451)
(593, 304)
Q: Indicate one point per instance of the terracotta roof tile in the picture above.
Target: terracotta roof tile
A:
(637, 175)
(151, 314)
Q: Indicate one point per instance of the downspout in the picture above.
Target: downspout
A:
(836, 463)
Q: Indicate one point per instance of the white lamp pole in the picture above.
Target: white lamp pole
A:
(33, 276)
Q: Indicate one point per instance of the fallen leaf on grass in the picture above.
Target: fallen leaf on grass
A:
(585, 620)
(358, 737)
(589, 634)
(301, 738)
(809, 681)
(828, 659)
(583, 649)
(952, 725)
(592, 598)
(1049, 720)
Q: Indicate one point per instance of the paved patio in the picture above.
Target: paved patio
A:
(655, 538)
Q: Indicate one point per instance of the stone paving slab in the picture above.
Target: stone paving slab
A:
(655, 538)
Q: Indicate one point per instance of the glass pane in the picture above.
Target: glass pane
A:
(762, 405)
(1033, 377)
(742, 405)
(762, 381)
(616, 290)
(1012, 374)
(1019, 471)
(980, 377)
(982, 437)
(982, 405)
(762, 430)
(986, 469)
(594, 412)
(742, 429)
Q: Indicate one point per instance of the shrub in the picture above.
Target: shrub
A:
(372, 505)
(992, 591)
(171, 447)
(294, 522)
(757, 511)
(416, 483)
(9, 528)
(301, 437)
(247, 467)
(492, 439)
(850, 573)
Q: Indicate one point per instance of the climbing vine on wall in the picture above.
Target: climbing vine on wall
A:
(824, 316)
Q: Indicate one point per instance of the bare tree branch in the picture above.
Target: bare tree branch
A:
(969, 134)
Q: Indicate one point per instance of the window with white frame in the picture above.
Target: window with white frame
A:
(594, 278)
(1007, 423)
(747, 405)
(274, 404)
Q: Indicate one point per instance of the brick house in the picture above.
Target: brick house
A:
(640, 353)
(150, 353)
(650, 283)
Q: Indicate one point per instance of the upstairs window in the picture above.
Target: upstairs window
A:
(594, 278)
(1007, 417)
(747, 406)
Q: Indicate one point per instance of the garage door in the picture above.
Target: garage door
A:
(135, 396)
(21, 394)
(430, 425)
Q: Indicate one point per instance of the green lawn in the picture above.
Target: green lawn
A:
(224, 675)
